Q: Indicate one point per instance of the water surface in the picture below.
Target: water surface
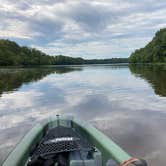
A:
(127, 103)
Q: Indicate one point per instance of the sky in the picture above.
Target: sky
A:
(82, 28)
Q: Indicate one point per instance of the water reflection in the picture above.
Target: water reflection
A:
(154, 74)
(109, 97)
(11, 79)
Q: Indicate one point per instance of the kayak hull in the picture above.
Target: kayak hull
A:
(108, 149)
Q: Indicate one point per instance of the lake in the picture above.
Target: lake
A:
(127, 103)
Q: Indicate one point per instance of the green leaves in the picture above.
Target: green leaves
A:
(154, 52)
(13, 54)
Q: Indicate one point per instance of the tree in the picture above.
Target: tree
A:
(153, 52)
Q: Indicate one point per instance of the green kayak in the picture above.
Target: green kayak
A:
(66, 141)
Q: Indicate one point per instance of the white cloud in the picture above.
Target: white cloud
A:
(97, 28)
(17, 29)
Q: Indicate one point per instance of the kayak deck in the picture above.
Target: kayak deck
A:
(60, 145)
(61, 139)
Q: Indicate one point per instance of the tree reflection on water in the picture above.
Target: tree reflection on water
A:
(154, 74)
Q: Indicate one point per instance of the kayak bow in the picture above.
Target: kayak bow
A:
(67, 141)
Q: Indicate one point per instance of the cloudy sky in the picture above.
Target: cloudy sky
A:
(86, 28)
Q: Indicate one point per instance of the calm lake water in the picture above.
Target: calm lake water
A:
(127, 103)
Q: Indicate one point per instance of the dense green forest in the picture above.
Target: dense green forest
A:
(13, 54)
(153, 52)
(106, 61)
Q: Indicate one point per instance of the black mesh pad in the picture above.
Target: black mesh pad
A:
(61, 139)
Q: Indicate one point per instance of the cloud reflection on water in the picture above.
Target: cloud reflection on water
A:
(123, 106)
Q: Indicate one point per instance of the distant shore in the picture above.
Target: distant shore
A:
(11, 54)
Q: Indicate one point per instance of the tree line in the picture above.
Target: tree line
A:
(13, 54)
(153, 52)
